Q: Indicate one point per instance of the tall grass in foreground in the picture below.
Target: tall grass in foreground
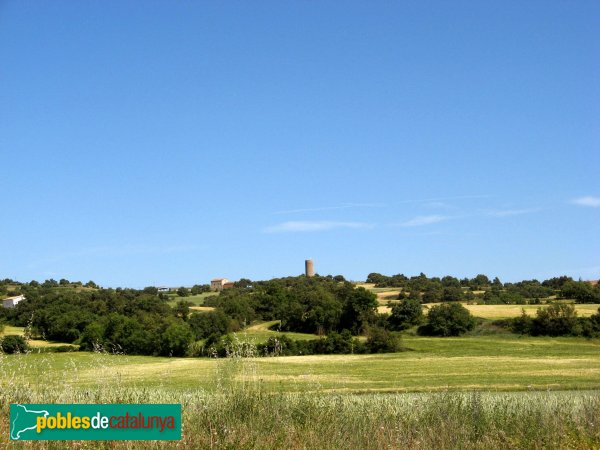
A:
(237, 412)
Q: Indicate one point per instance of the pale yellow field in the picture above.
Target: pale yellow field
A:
(508, 311)
(387, 295)
(263, 326)
(202, 308)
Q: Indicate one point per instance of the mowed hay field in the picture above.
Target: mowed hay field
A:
(507, 311)
(443, 394)
(499, 363)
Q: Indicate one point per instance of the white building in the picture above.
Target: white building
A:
(11, 302)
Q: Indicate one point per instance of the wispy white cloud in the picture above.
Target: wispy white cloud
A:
(512, 212)
(423, 220)
(311, 226)
(594, 202)
(333, 208)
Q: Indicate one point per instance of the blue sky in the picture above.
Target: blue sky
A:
(168, 143)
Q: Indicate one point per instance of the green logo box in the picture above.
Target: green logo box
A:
(136, 422)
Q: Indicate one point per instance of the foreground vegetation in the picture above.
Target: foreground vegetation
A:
(253, 419)
(232, 404)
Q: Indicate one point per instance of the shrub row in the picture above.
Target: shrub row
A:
(378, 340)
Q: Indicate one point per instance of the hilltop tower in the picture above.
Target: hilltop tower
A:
(309, 268)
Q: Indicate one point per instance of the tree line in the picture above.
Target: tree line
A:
(483, 290)
(142, 322)
(336, 311)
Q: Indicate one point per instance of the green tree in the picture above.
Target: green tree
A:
(433, 293)
(13, 344)
(452, 294)
(521, 324)
(50, 283)
(448, 319)
(151, 290)
(182, 309)
(449, 281)
(205, 325)
(580, 291)
(479, 282)
(380, 340)
(243, 283)
(556, 282)
(175, 339)
(92, 337)
(594, 324)
(558, 319)
(376, 278)
(199, 289)
(405, 314)
(359, 309)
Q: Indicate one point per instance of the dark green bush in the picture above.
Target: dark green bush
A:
(405, 314)
(558, 319)
(65, 349)
(13, 344)
(380, 340)
(448, 319)
(521, 324)
(207, 324)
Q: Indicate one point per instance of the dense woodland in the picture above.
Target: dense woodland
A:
(334, 310)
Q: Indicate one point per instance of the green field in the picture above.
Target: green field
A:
(196, 300)
(499, 363)
(475, 392)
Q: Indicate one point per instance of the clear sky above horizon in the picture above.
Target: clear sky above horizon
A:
(168, 143)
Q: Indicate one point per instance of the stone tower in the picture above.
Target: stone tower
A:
(309, 268)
